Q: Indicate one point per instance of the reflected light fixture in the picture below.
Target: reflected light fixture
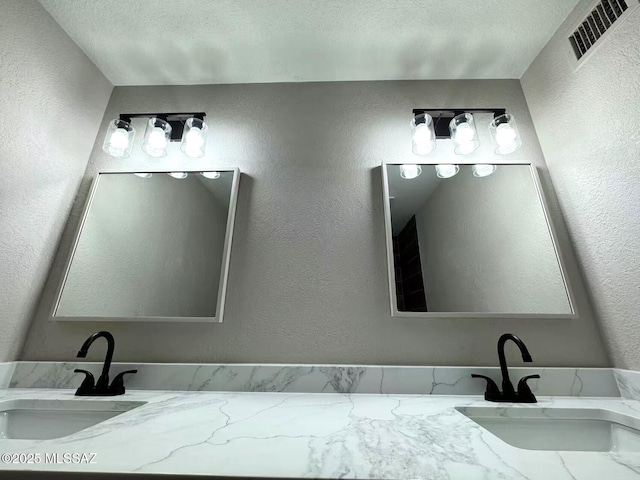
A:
(410, 171)
(119, 138)
(483, 169)
(446, 171)
(211, 175)
(143, 174)
(162, 128)
(505, 134)
(423, 135)
(178, 175)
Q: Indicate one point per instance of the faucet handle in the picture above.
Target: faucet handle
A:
(117, 386)
(525, 394)
(493, 392)
(88, 384)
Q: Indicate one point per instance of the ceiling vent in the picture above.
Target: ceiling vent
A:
(605, 16)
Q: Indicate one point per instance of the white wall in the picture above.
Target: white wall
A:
(52, 99)
(588, 124)
(308, 273)
(149, 247)
(485, 246)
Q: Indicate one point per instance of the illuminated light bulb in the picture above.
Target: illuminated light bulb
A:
(193, 143)
(120, 139)
(483, 169)
(178, 175)
(422, 133)
(192, 151)
(423, 139)
(211, 175)
(143, 174)
(194, 137)
(157, 138)
(464, 133)
(446, 171)
(410, 171)
(505, 135)
(423, 143)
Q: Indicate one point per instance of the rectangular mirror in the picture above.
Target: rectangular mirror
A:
(472, 246)
(151, 247)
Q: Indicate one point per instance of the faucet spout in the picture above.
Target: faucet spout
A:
(110, 347)
(507, 386)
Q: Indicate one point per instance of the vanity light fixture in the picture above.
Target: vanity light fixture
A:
(210, 175)
(464, 134)
(119, 138)
(483, 169)
(194, 137)
(156, 137)
(143, 174)
(188, 128)
(447, 171)
(178, 175)
(410, 171)
(505, 134)
(423, 134)
(459, 125)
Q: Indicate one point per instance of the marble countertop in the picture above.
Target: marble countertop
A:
(315, 435)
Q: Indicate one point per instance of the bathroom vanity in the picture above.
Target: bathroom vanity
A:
(334, 422)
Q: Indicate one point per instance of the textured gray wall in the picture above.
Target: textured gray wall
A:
(52, 99)
(308, 274)
(469, 262)
(149, 247)
(587, 122)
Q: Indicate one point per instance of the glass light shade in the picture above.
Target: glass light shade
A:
(178, 175)
(156, 137)
(211, 175)
(505, 134)
(194, 138)
(464, 134)
(143, 174)
(446, 171)
(119, 139)
(410, 171)
(483, 169)
(423, 134)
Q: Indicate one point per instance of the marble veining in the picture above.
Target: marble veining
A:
(6, 373)
(580, 382)
(628, 383)
(316, 435)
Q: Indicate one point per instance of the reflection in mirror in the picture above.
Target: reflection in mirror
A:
(471, 240)
(152, 246)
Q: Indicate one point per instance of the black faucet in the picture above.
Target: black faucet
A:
(101, 388)
(509, 394)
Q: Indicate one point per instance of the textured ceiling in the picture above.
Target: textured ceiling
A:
(160, 42)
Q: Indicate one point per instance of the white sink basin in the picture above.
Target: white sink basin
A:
(46, 419)
(588, 430)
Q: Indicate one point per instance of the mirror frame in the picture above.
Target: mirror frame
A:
(226, 255)
(554, 240)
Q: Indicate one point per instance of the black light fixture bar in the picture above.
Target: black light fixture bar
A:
(176, 120)
(442, 117)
